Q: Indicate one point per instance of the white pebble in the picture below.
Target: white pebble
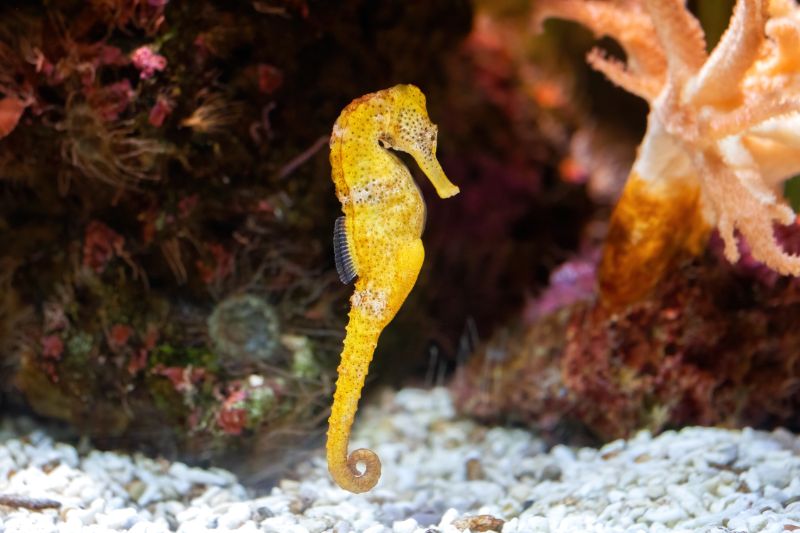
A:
(692, 480)
(118, 518)
(236, 515)
(404, 526)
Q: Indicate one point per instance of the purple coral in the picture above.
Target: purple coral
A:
(571, 282)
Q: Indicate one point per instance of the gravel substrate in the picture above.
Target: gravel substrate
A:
(440, 475)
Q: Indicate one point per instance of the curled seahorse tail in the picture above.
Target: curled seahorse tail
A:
(347, 474)
(364, 481)
(359, 344)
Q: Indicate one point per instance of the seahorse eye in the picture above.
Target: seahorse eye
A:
(386, 141)
(433, 133)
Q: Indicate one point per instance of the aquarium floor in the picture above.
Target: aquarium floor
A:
(440, 474)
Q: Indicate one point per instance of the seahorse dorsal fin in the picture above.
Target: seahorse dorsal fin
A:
(341, 252)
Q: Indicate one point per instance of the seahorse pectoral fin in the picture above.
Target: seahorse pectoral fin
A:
(431, 167)
(345, 266)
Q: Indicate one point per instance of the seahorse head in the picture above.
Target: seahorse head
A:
(410, 130)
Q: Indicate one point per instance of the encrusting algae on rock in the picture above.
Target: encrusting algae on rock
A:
(165, 284)
(378, 242)
(722, 133)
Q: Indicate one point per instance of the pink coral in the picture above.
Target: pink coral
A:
(571, 282)
(220, 266)
(148, 61)
(119, 336)
(111, 100)
(138, 360)
(100, 245)
(233, 416)
(52, 347)
(159, 112)
(183, 379)
(269, 78)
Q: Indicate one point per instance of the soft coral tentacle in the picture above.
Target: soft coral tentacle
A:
(615, 71)
(786, 36)
(720, 79)
(784, 130)
(630, 27)
(680, 35)
(760, 108)
(743, 201)
(759, 233)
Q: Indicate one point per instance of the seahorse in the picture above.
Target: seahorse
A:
(377, 243)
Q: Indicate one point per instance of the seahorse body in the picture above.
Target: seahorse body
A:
(378, 240)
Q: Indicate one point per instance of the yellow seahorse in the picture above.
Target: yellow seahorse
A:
(378, 242)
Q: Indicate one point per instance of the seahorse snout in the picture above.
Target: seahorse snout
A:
(431, 167)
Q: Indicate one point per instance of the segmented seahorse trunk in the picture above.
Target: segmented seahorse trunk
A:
(359, 344)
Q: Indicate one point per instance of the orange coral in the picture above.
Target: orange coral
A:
(11, 109)
(722, 132)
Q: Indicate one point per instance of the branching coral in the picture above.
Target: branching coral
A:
(722, 132)
(147, 15)
(213, 115)
(110, 153)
